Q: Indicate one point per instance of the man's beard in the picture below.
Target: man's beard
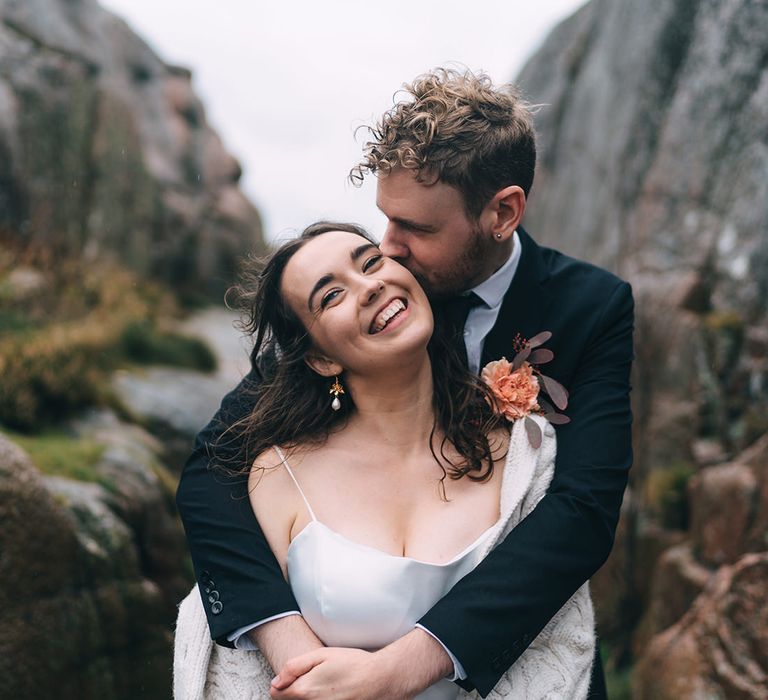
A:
(463, 275)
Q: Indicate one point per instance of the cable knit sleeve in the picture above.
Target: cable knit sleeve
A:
(203, 670)
(558, 662)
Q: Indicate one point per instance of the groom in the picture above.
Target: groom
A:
(455, 163)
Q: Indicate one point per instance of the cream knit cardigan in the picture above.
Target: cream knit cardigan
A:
(557, 664)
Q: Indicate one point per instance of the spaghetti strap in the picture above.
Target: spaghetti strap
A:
(288, 469)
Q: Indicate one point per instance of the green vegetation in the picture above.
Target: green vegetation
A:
(724, 321)
(59, 345)
(619, 683)
(57, 454)
(666, 494)
(618, 671)
(145, 344)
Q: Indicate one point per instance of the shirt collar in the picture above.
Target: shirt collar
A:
(492, 290)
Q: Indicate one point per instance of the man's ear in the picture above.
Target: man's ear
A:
(324, 366)
(503, 214)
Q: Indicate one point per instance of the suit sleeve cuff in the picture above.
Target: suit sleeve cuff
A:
(242, 641)
(459, 674)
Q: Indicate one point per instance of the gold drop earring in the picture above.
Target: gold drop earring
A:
(336, 389)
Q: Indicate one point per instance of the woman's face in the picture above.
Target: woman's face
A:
(364, 311)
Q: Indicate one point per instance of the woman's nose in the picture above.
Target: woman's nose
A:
(372, 290)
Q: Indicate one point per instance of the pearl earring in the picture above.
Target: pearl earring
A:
(336, 389)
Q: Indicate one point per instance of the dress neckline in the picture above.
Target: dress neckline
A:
(398, 557)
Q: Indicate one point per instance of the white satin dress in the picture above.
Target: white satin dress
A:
(353, 595)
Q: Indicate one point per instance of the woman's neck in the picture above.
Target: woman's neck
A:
(395, 408)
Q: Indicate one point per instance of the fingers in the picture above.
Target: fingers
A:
(296, 668)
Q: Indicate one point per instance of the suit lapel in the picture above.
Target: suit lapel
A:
(525, 306)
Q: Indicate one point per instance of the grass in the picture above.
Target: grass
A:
(56, 356)
(57, 454)
(142, 343)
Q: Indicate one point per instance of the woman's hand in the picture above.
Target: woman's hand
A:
(335, 673)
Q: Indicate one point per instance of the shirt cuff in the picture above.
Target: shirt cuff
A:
(459, 674)
(243, 642)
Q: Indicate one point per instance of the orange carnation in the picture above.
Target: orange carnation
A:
(515, 393)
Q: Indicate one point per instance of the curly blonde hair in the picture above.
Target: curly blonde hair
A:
(455, 127)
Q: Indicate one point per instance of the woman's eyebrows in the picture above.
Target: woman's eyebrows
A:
(325, 279)
(357, 252)
(354, 255)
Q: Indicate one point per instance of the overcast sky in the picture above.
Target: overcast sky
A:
(285, 84)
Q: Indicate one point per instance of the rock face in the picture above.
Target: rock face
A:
(720, 647)
(91, 574)
(176, 403)
(654, 164)
(105, 151)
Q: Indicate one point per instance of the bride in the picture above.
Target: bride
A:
(383, 473)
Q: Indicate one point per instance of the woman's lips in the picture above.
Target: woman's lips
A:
(389, 315)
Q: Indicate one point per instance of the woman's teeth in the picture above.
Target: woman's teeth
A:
(387, 314)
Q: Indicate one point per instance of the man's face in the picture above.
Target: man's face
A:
(430, 234)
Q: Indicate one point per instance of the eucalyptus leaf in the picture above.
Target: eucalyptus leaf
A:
(557, 418)
(544, 405)
(534, 432)
(539, 339)
(556, 391)
(541, 356)
(521, 357)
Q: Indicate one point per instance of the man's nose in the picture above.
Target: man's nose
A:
(393, 244)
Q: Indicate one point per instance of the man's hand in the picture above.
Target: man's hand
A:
(399, 671)
(335, 674)
(284, 639)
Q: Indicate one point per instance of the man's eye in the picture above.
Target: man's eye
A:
(328, 297)
(372, 261)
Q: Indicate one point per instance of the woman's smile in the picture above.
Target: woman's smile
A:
(352, 299)
(390, 316)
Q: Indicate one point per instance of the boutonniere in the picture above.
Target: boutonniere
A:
(519, 387)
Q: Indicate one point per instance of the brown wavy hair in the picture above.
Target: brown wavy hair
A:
(455, 127)
(291, 404)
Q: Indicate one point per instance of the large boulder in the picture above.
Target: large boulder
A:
(105, 151)
(719, 649)
(722, 509)
(653, 161)
(91, 573)
(653, 156)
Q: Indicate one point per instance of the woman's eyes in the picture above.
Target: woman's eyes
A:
(372, 262)
(328, 297)
(331, 294)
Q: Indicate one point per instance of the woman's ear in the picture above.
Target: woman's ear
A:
(324, 366)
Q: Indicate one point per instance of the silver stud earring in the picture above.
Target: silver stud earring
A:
(336, 389)
(498, 236)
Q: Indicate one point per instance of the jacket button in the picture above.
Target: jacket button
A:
(217, 607)
(213, 597)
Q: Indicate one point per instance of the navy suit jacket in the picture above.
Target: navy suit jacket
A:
(490, 617)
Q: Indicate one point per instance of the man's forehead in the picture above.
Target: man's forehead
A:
(401, 193)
